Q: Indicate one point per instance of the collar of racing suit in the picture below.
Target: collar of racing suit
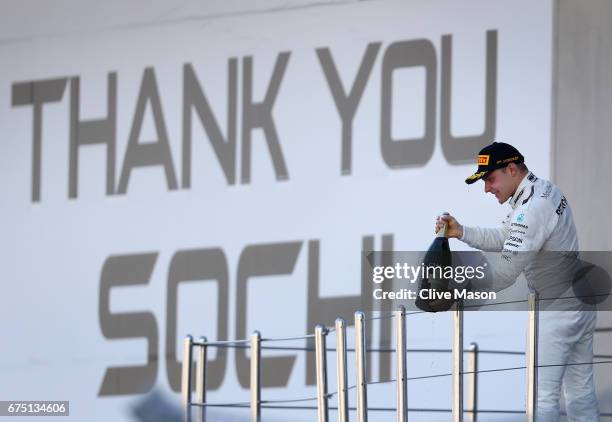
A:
(524, 191)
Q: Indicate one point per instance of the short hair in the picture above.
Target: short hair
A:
(522, 168)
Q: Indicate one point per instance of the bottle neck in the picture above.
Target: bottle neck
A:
(442, 232)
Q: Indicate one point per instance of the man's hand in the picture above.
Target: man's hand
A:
(454, 229)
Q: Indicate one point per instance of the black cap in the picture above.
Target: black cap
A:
(492, 157)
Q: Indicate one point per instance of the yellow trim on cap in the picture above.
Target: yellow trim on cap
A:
(476, 175)
(508, 160)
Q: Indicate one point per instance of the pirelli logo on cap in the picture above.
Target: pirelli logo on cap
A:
(483, 160)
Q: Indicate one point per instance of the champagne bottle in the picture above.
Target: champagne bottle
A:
(438, 255)
(436, 260)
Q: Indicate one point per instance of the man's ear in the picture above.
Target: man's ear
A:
(513, 169)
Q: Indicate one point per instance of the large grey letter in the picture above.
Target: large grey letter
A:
(385, 308)
(191, 266)
(88, 132)
(128, 270)
(347, 104)
(37, 93)
(462, 149)
(408, 152)
(150, 153)
(194, 98)
(256, 115)
(325, 310)
(257, 261)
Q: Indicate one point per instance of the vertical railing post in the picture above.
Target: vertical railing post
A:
(186, 381)
(341, 373)
(532, 357)
(321, 365)
(473, 383)
(458, 362)
(400, 355)
(201, 377)
(360, 357)
(255, 376)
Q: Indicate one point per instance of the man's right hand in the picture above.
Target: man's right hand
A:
(454, 229)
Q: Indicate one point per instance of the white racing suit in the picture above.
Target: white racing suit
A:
(541, 220)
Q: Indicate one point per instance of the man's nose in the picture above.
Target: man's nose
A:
(487, 187)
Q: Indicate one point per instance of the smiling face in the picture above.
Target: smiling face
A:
(503, 182)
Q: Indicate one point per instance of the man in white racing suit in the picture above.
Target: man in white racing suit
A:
(540, 221)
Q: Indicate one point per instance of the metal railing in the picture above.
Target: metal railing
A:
(341, 350)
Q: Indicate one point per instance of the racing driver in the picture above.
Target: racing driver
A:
(540, 220)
